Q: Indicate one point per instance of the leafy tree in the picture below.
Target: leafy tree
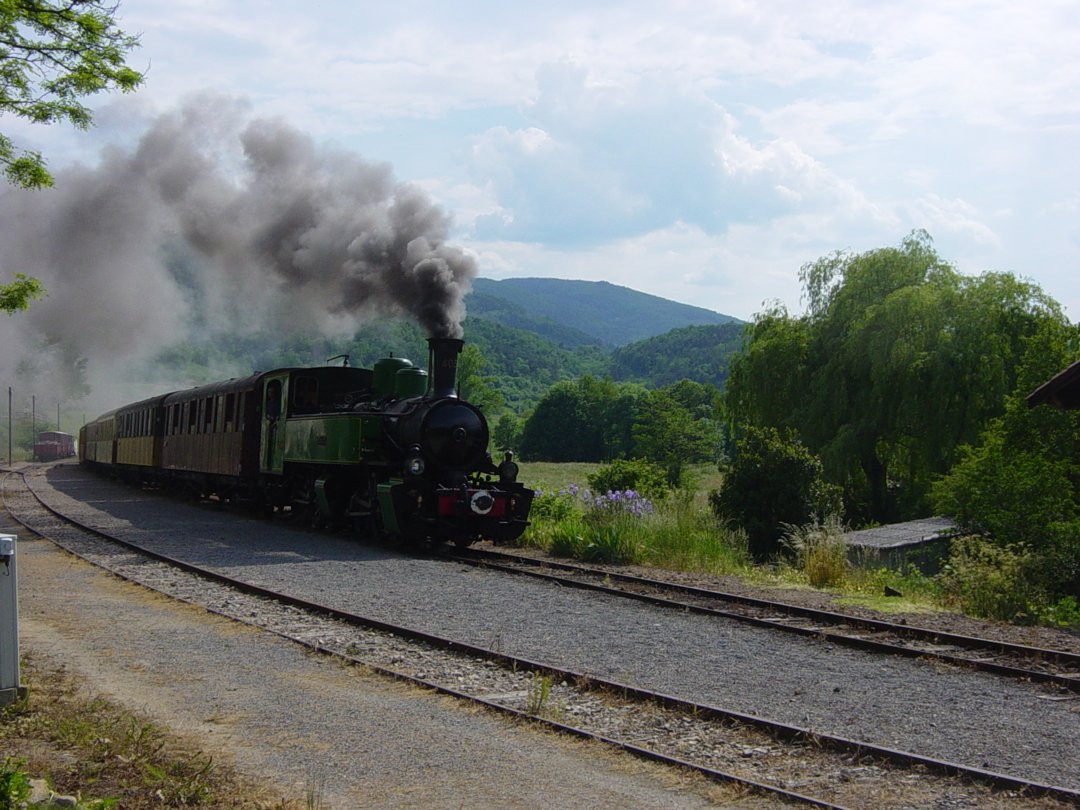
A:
(773, 480)
(506, 435)
(898, 361)
(639, 475)
(472, 384)
(676, 426)
(565, 424)
(1019, 487)
(18, 294)
(52, 53)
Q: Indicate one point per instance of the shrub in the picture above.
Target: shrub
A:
(992, 581)
(773, 480)
(636, 474)
(1020, 488)
(553, 506)
(1063, 613)
(680, 535)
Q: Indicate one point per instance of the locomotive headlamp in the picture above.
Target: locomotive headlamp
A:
(414, 462)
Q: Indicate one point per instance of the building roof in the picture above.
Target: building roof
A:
(1062, 391)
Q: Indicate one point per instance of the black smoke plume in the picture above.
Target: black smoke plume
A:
(226, 223)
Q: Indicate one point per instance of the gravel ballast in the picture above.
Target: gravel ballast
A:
(979, 720)
(306, 724)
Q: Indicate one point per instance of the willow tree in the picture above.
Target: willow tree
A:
(898, 360)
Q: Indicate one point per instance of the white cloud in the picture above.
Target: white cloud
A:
(726, 143)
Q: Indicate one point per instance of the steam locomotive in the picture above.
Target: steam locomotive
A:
(392, 451)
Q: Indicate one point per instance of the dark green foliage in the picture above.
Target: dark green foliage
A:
(523, 365)
(506, 433)
(676, 426)
(641, 476)
(899, 361)
(580, 420)
(698, 353)
(773, 480)
(600, 420)
(1019, 488)
(610, 314)
(473, 384)
(14, 784)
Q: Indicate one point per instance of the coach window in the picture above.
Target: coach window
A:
(192, 408)
(230, 412)
(240, 400)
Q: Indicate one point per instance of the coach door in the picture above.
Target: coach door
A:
(272, 446)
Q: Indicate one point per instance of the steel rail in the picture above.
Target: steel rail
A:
(433, 640)
(778, 730)
(527, 566)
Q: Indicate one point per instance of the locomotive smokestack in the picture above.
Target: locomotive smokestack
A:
(442, 366)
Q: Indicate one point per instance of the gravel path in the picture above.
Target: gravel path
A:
(976, 719)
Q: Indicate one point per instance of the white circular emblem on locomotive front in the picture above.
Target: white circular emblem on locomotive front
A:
(481, 502)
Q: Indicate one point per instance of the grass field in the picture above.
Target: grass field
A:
(549, 476)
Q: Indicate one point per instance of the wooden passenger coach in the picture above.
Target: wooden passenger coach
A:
(206, 429)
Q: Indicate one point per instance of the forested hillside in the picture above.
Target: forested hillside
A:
(610, 314)
(499, 310)
(698, 353)
(524, 348)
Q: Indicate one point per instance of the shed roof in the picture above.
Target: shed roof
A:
(1061, 391)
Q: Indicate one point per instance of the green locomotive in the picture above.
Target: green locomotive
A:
(391, 450)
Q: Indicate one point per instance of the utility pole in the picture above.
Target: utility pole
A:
(9, 426)
(33, 426)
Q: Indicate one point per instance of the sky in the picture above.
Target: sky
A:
(699, 151)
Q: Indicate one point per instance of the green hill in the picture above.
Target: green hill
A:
(607, 313)
(698, 353)
(526, 329)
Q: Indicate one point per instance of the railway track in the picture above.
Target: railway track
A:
(522, 687)
(1058, 668)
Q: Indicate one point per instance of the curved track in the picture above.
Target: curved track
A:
(848, 748)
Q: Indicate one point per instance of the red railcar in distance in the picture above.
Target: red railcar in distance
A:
(52, 445)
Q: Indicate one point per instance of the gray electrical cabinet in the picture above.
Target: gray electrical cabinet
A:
(10, 691)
